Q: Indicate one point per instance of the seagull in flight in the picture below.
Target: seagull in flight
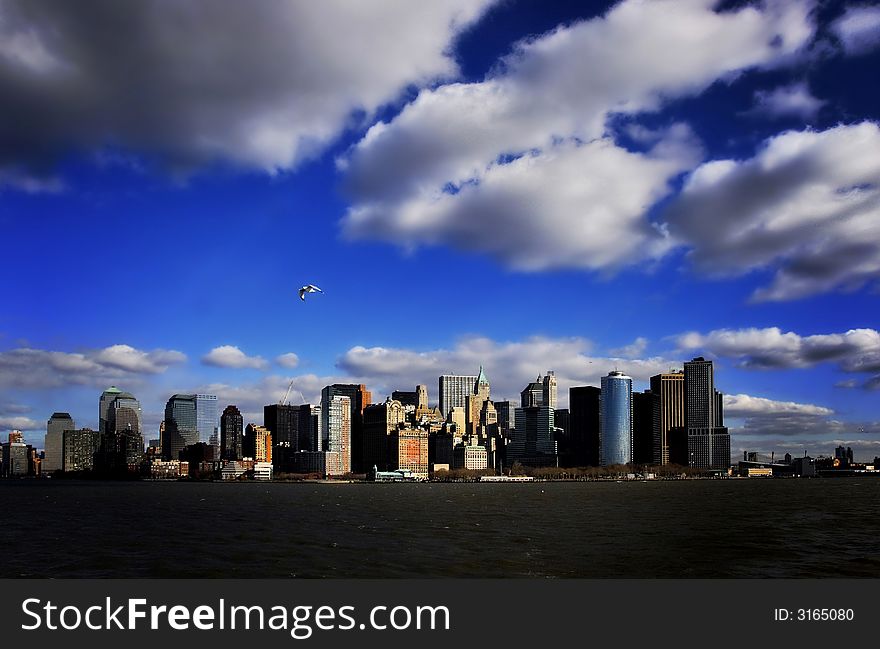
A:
(310, 288)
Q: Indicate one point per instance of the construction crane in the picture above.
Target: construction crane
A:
(286, 394)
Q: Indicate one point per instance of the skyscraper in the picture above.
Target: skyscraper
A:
(668, 389)
(548, 393)
(54, 445)
(646, 446)
(207, 416)
(336, 428)
(583, 406)
(454, 390)
(107, 397)
(124, 433)
(257, 443)
(708, 441)
(181, 425)
(358, 399)
(615, 419)
(231, 432)
(283, 421)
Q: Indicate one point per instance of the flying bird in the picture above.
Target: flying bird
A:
(310, 288)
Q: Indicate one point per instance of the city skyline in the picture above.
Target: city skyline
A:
(625, 185)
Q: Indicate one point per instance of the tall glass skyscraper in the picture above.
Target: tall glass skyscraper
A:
(207, 417)
(54, 445)
(615, 419)
(108, 396)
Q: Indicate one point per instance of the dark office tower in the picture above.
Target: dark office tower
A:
(506, 412)
(406, 398)
(646, 447)
(669, 408)
(359, 398)
(181, 425)
(380, 420)
(124, 432)
(532, 441)
(54, 445)
(309, 427)
(282, 420)
(108, 396)
(532, 395)
(231, 432)
(708, 441)
(583, 406)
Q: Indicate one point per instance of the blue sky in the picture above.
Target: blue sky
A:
(528, 185)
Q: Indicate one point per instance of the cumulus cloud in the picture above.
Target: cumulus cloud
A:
(858, 29)
(18, 423)
(255, 86)
(230, 356)
(509, 365)
(794, 100)
(762, 417)
(854, 351)
(522, 166)
(38, 368)
(288, 360)
(807, 204)
(633, 350)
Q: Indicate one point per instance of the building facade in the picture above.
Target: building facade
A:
(708, 441)
(615, 419)
(668, 389)
(231, 434)
(53, 459)
(454, 390)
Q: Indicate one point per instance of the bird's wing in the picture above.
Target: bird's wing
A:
(302, 294)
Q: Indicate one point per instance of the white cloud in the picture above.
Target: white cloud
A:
(230, 356)
(744, 405)
(37, 368)
(18, 423)
(288, 360)
(520, 165)
(261, 87)
(129, 359)
(854, 351)
(858, 29)
(808, 205)
(794, 100)
(633, 350)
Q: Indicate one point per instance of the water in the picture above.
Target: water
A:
(711, 528)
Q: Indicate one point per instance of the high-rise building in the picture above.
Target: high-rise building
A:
(532, 440)
(231, 434)
(380, 421)
(283, 422)
(454, 390)
(358, 399)
(53, 459)
(422, 395)
(668, 389)
(108, 396)
(336, 430)
(123, 434)
(181, 425)
(207, 416)
(257, 443)
(615, 419)
(708, 441)
(548, 392)
(310, 427)
(406, 398)
(474, 403)
(584, 427)
(79, 449)
(646, 447)
(14, 460)
(408, 450)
